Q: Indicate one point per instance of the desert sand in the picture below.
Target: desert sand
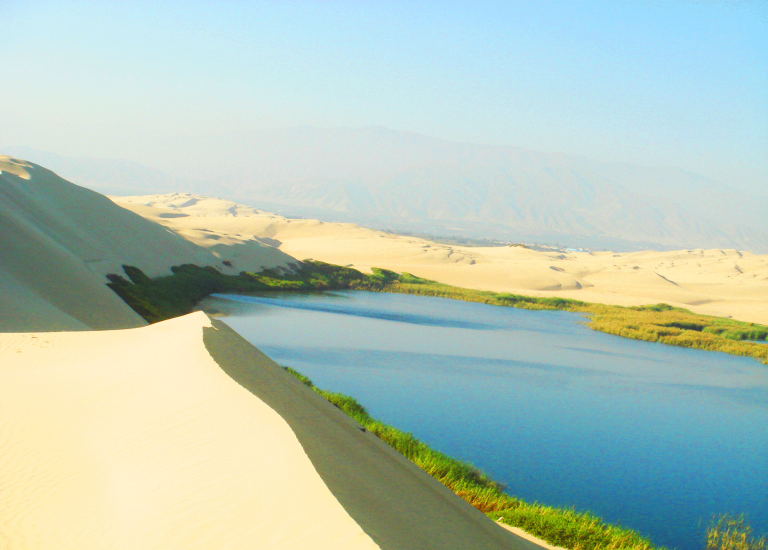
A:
(727, 283)
(529, 537)
(137, 439)
(181, 435)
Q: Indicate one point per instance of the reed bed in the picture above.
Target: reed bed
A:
(729, 532)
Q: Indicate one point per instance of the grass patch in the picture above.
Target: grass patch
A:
(173, 295)
(680, 327)
(561, 526)
(729, 532)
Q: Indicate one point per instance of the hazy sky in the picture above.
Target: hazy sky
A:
(648, 82)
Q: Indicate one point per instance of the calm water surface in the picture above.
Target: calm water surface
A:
(654, 437)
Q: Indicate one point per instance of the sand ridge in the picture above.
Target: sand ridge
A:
(58, 242)
(727, 283)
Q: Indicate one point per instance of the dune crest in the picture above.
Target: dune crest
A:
(15, 166)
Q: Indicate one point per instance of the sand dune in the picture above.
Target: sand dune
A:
(714, 282)
(137, 438)
(58, 241)
(178, 435)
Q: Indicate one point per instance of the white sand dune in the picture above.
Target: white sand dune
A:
(137, 439)
(58, 241)
(726, 283)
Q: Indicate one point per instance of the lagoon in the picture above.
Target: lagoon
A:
(654, 437)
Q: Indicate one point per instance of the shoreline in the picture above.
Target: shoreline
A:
(567, 526)
(169, 296)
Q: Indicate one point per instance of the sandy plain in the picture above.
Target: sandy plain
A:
(726, 283)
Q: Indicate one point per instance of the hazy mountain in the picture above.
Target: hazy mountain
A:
(400, 180)
(384, 178)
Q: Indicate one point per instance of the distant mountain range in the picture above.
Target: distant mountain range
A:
(382, 178)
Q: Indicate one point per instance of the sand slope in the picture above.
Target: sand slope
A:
(714, 282)
(58, 241)
(138, 439)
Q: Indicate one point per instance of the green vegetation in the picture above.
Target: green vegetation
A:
(732, 533)
(457, 239)
(563, 527)
(173, 295)
(680, 327)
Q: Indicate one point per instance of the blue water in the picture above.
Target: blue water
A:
(654, 437)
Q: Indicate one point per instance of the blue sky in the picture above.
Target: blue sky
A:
(648, 82)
